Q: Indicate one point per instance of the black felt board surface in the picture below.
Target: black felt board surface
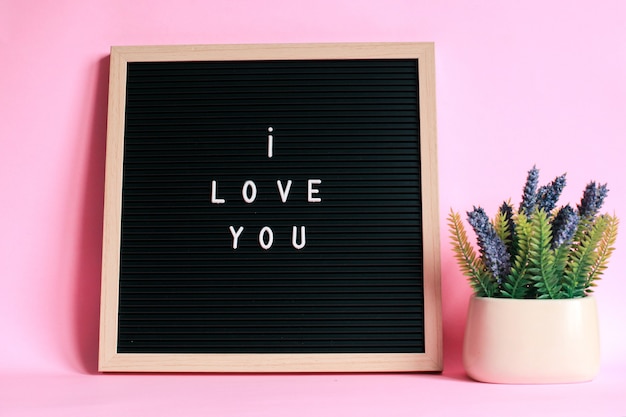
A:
(197, 133)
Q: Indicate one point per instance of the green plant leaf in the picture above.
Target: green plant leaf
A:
(606, 247)
(516, 284)
(501, 225)
(507, 211)
(584, 256)
(542, 258)
(471, 266)
(561, 257)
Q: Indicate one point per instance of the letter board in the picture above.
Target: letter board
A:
(271, 208)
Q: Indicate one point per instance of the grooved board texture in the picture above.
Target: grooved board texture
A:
(356, 285)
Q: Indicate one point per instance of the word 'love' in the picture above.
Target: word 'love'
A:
(249, 191)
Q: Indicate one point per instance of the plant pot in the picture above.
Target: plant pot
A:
(512, 341)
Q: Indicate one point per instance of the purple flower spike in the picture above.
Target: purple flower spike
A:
(529, 196)
(494, 253)
(593, 198)
(548, 195)
(564, 226)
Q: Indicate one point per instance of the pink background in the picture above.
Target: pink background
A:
(518, 83)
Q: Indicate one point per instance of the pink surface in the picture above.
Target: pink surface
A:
(303, 395)
(518, 83)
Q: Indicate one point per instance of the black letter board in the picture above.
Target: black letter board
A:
(271, 208)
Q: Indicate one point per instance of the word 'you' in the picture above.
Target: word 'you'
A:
(249, 193)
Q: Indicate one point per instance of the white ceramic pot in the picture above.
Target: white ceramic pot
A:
(532, 341)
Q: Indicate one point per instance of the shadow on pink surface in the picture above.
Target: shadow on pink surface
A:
(89, 260)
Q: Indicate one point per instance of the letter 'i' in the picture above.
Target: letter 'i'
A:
(270, 143)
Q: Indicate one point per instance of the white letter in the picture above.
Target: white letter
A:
(247, 197)
(214, 198)
(312, 191)
(294, 237)
(235, 235)
(270, 143)
(284, 193)
(270, 238)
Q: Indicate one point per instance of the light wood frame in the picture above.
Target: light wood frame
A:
(111, 360)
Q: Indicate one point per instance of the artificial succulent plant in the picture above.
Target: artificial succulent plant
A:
(539, 250)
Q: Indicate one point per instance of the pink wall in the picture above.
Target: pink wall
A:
(518, 83)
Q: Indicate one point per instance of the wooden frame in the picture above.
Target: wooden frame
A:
(111, 360)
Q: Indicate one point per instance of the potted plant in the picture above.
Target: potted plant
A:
(532, 318)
